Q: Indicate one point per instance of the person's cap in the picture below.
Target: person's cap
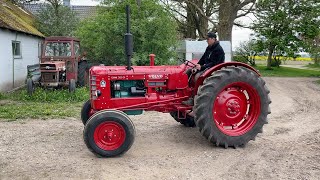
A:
(211, 35)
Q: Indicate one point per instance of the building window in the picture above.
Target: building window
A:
(16, 49)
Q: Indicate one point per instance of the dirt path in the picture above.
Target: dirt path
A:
(289, 148)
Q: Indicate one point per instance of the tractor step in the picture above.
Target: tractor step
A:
(182, 110)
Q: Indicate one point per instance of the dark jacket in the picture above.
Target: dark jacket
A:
(213, 55)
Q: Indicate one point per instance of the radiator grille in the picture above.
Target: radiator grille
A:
(49, 77)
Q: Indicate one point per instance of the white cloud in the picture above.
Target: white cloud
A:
(240, 35)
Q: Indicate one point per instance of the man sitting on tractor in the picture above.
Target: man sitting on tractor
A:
(213, 55)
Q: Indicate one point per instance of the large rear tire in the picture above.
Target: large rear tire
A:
(109, 133)
(83, 73)
(232, 106)
(187, 122)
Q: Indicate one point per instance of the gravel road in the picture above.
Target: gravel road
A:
(289, 147)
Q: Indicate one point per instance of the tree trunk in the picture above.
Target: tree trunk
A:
(203, 27)
(316, 59)
(190, 29)
(202, 19)
(271, 49)
(227, 15)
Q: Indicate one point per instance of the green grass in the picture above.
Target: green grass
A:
(43, 104)
(313, 66)
(55, 96)
(287, 72)
(13, 110)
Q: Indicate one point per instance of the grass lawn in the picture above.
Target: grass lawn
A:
(13, 110)
(43, 104)
(287, 72)
(313, 66)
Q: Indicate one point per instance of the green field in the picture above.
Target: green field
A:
(287, 72)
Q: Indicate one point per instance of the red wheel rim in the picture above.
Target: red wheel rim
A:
(236, 109)
(109, 136)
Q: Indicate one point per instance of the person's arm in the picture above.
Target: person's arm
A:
(209, 65)
(202, 60)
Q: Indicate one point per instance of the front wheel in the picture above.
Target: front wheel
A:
(30, 86)
(109, 133)
(232, 106)
(86, 112)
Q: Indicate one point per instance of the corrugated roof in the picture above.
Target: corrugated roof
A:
(15, 18)
(82, 12)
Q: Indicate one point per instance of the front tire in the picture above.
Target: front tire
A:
(86, 112)
(30, 86)
(232, 106)
(109, 133)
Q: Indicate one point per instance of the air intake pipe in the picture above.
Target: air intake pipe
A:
(128, 40)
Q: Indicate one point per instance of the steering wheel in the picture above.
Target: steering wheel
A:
(188, 63)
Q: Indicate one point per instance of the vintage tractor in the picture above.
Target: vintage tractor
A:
(61, 65)
(231, 102)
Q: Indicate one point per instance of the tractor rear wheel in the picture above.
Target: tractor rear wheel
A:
(82, 73)
(109, 133)
(72, 85)
(232, 106)
(86, 112)
(188, 121)
(30, 86)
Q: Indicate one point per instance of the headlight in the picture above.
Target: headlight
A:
(98, 93)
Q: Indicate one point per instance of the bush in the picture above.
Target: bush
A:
(2, 96)
(276, 61)
(243, 59)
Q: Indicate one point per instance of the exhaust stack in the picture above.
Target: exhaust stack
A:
(128, 40)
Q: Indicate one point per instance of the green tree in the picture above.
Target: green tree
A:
(280, 21)
(20, 2)
(57, 20)
(314, 49)
(200, 16)
(248, 50)
(154, 31)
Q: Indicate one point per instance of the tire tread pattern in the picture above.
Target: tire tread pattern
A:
(210, 89)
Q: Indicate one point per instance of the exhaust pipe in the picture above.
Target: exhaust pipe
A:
(128, 40)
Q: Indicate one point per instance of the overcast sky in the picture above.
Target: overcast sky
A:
(238, 34)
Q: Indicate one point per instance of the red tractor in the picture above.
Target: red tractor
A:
(61, 64)
(231, 102)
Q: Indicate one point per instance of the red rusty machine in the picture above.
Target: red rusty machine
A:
(231, 102)
(61, 65)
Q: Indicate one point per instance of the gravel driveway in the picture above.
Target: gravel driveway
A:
(289, 148)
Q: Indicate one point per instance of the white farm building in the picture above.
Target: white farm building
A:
(19, 45)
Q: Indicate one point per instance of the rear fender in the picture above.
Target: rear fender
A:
(218, 67)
